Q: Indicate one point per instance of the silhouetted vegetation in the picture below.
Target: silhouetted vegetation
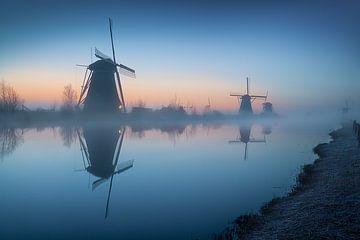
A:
(10, 100)
(69, 99)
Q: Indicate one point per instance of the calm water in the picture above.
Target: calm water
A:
(173, 182)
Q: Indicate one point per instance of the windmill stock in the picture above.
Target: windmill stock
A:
(102, 91)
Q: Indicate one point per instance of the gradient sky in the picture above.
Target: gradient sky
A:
(305, 53)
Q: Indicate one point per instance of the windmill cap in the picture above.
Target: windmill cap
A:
(102, 65)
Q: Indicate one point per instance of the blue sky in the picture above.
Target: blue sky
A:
(305, 53)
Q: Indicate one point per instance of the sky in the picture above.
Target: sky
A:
(304, 53)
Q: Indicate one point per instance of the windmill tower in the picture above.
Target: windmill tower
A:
(245, 100)
(267, 106)
(102, 90)
(100, 150)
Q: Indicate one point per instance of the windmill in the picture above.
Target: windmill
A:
(346, 108)
(207, 107)
(100, 150)
(267, 106)
(101, 90)
(245, 138)
(245, 100)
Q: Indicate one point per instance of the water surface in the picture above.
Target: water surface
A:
(123, 182)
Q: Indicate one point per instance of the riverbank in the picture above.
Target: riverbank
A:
(325, 204)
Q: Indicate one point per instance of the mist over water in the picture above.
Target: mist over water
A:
(173, 181)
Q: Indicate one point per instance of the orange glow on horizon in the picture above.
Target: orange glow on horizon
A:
(39, 86)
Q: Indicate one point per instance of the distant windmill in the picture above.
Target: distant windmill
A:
(208, 107)
(102, 90)
(245, 100)
(245, 138)
(267, 106)
(346, 108)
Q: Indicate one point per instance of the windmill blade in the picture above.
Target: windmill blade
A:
(121, 167)
(267, 93)
(84, 86)
(118, 146)
(257, 141)
(246, 150)
(120, 90)
(121, 66)
(112, 40)
(247, 86)
(101, 55)
(82, 65)
(98, 183)
(126, 71)
(236, 95)
(258, 96)
(83, 148)
(117, 72)
(108, 197)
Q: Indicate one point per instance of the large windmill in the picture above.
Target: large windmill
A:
(102, 90)
(245, 100)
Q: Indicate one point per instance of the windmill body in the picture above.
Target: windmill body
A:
(245, 105)
(267, 108)
(101, 145)
(102, 95)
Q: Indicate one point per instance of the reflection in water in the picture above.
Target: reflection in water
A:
(172, 130)
(266, 130)
(100, 149)
(245, 137)
(68, 135)
(10, 138)
(171, 186)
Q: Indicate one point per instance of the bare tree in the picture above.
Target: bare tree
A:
(69, 99)
(9, 98)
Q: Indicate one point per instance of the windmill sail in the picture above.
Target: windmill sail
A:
(124, 70)
(102, 55)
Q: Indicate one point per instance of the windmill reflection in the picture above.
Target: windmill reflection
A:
(266, 129)
(245, 137)
(100, 150)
